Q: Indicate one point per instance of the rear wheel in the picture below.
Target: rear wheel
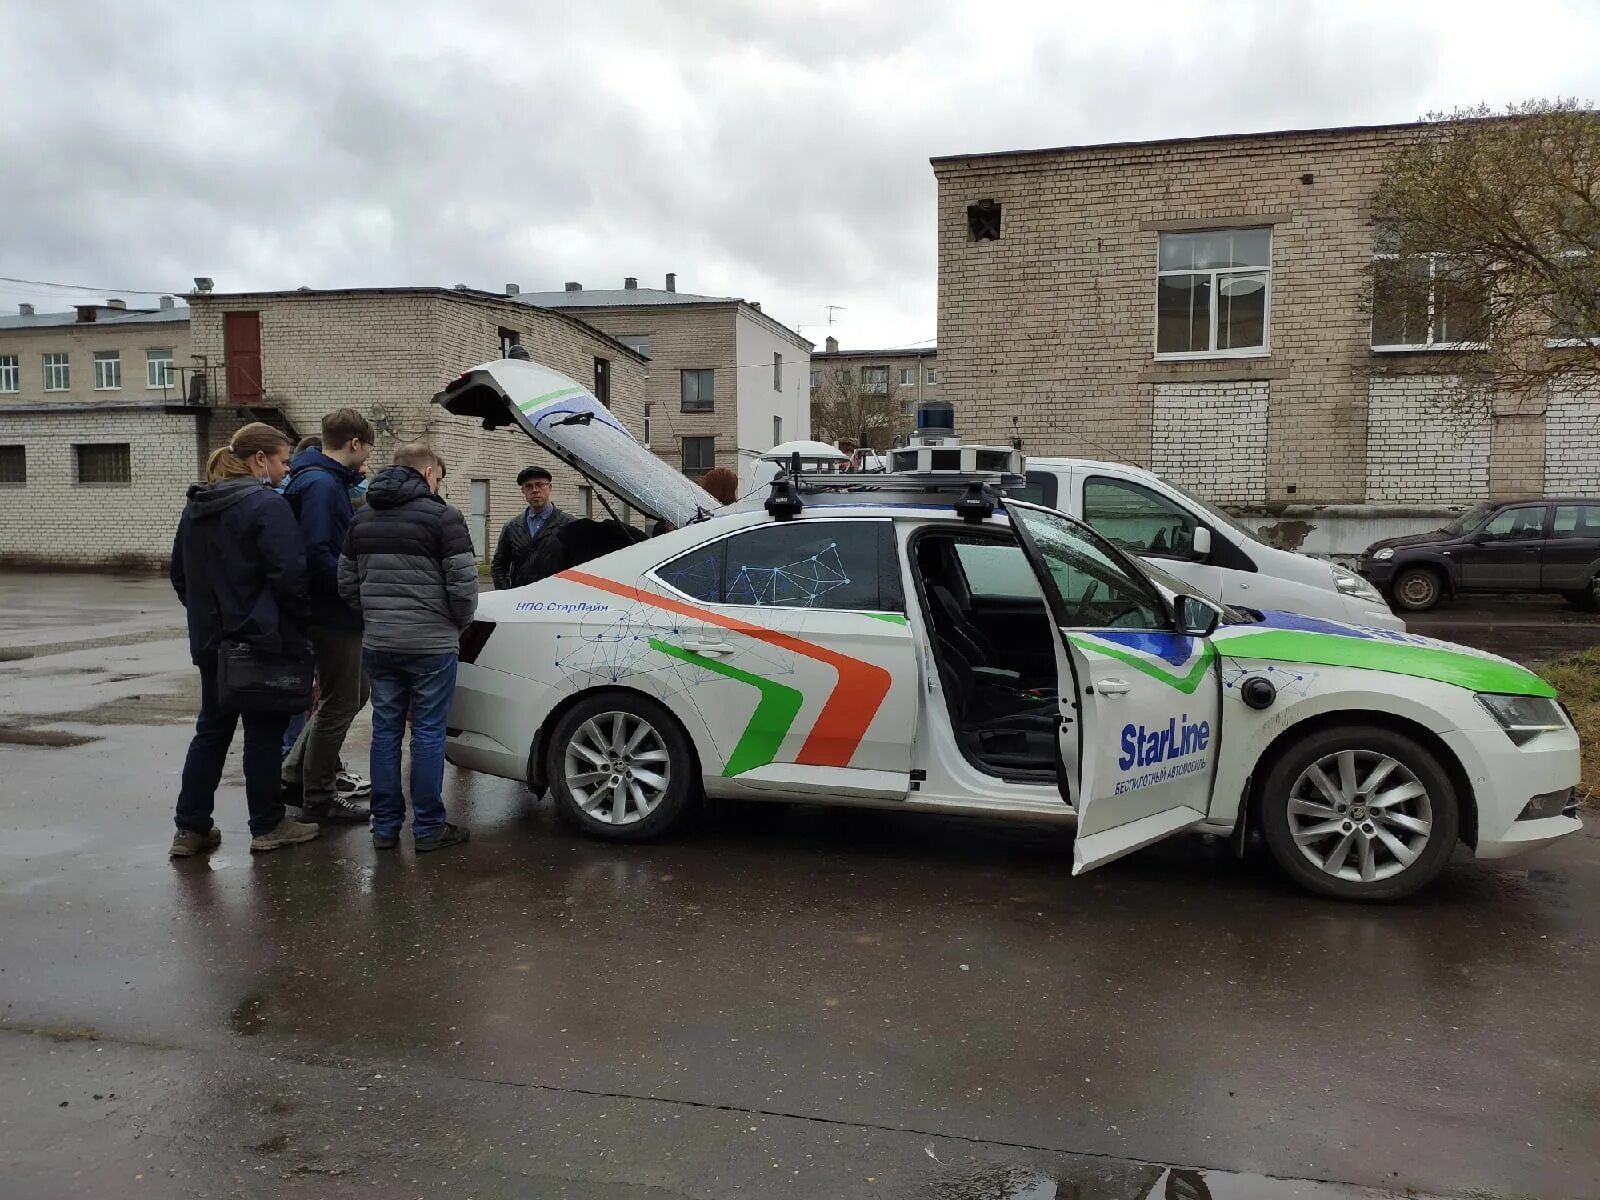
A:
(1583, 601)
(621, 768)
(1360, 812)
(1417, 589)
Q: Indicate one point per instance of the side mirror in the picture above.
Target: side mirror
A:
(1195, 617)
(1202, 542)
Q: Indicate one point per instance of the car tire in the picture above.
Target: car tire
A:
(1417, 589)
(1399, 826)
(1584, 601)
(642, 779)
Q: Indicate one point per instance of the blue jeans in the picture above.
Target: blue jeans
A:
(208, 754)
(421, 684)
(291, 734)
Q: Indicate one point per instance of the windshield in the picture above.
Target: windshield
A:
(1470, 519)
(1174, 586)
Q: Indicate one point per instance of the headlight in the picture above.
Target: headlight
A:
(1349, 583)
(1523, 717)
(1383, 555)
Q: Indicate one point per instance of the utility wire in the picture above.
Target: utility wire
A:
(83, 287)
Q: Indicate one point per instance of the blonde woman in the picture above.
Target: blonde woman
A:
(239, 566)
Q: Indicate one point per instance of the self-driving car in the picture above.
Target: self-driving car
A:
(920, 641)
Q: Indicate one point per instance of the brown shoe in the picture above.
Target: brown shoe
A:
(288, 832)
(187, 842)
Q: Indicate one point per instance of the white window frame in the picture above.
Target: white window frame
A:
(777, 429)
(1565, 343)
(153, 384)
(107, 359)
(10, 374)
(933, 375)
(816, 379)
(1430, 345)
(1262, 351)
(908, 377)
(777, 371)
(64, 367)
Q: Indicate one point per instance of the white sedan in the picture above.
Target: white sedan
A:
(907, 642)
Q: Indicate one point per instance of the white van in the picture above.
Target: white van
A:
(1147, 516)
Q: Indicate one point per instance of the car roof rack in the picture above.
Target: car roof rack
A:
(975, 491)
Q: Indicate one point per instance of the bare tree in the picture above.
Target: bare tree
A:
(873, 413)
(1489, 242)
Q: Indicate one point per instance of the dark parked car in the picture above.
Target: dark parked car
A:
(1550, 545)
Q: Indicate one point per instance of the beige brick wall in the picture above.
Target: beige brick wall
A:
(683, 337)
(1054, 323)
(80, 342)
(51, 519)
(1572, 441)
(1422, 449)
(388, 353)
(1211, 438)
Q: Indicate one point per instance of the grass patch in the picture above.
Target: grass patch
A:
(1578, 680)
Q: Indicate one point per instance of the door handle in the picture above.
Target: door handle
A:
(1113, 687)
(709, 649)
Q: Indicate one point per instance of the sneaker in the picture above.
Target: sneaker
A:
(450, 835)
(287, 832)
(340, 810)
(348, 783)
(187, 842)
(385, 841)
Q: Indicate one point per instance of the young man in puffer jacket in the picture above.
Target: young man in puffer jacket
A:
(409, 566)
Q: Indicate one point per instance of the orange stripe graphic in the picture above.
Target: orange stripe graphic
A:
(849, 709)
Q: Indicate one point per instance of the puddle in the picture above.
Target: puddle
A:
(10, 735)
(1110, 1180)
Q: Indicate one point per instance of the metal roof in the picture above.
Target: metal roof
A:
(618, 298)
(1201, 140)
(106, 316)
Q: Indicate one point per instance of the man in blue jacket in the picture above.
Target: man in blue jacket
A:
(319, 493)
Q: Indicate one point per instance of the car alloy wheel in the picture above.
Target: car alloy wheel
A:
(617, 768)
(1360, 815)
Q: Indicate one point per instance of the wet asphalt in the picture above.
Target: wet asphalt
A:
(791, 1002)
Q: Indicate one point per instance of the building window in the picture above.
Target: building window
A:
(875, 380)
(1573, 322)
(508, 339)
(104, 463)
(57, 375)
(602, 381)
(10, 373)
(699, 455)
(158, 372)
(777, 372)
(647, 427)
(585, 500)
(816, 380)
(699, 390)
(777, 431)
(639, 343)
(107, 370)
(1422, 302)
(983, 221)
(908, 376)
(841, 376)
(13, 465)
(933, 374)
(1212, 293)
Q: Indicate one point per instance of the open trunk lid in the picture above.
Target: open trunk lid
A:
(566, 420)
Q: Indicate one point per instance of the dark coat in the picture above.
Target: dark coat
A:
(408, 565)
(239, 566)
(319, 493)
(520, 559)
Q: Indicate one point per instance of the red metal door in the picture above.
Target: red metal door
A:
(241, 351)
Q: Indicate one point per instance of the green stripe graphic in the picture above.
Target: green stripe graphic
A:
(1398, 658)
(538, 400)
(1184, 683)
(892, 618)
(769, 724)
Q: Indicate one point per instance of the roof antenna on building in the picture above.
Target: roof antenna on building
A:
(833, 308)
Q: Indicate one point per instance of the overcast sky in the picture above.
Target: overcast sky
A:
(776, 151)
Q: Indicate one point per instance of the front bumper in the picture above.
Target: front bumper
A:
(1379, 574)
(1505, 777)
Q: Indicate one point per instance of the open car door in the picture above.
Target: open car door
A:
(1140, 701)
(566, 420)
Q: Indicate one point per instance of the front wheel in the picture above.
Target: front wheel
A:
(1360, 812)
(621, 768)
(1417, 589)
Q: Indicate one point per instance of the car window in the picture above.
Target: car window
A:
(1525, 522)
(1096, 590)
(996, 571)
(801, 564)
(1040, 489)
(1136, 519)
(1577, 520)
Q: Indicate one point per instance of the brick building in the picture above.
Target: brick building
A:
(1201, 307)
(102, 480)
(910, 374)
(726, 381)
